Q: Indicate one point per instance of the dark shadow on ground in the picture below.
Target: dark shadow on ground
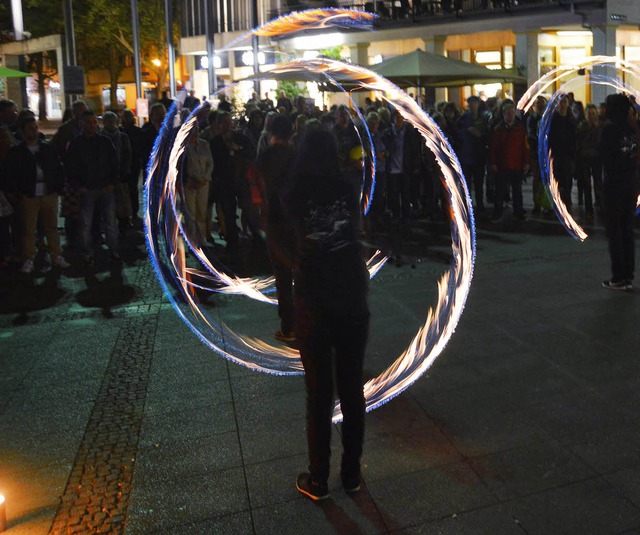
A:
(105, 293)
(23, 293)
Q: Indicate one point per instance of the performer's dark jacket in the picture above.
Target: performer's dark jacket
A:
(330, 272)
(618, 147)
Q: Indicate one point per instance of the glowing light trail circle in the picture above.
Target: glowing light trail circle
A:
(544, 154)
(217, 277)
(163, 223)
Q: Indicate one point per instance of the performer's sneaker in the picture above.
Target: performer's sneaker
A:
(307, 486)
(28, 266)
(350, 484)
(285, 337)
(61, 262)
(616, 285)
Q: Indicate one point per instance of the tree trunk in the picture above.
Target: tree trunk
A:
(42, 93)
(161, 74)
(114, 74)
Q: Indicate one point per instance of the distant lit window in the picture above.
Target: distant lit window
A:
(491, 59)
(632, 53)
(572, 56)
(546, 60)
(507, 54)
(486, 57)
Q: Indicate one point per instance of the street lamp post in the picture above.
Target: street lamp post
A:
(18, 30)
(255, 44)
(135, 27)
(168, 15)
(209, 26)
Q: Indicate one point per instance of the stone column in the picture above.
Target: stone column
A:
(604, 44)
(454, 94)
(526, 61)
(231, 58)
(59, 57)
(435, 46)
(526, 56)
(359, 55)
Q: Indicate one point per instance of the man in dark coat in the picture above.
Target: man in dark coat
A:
(562, 144)
(403, 165)
(274, 164)
(92, 168)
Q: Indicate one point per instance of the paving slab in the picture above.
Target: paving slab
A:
(527, 422)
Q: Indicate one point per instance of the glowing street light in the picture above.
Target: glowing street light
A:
(3, 514)
(156, 62)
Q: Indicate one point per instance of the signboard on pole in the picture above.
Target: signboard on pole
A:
(142, 107)
(73, 80)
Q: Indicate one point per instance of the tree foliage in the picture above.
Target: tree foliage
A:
(106, 29)
(103, 33)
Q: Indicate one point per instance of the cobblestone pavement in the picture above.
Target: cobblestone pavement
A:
(99, 487)
(115, 418)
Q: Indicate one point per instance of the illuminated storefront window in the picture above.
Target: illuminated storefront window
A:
(632, 53)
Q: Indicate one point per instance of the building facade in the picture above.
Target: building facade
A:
(531, 36)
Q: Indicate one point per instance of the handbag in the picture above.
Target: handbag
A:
(122, 201)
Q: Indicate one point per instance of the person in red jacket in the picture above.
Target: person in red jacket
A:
(510, 160)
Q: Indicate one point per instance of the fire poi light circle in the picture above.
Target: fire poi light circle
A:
(545, 156)
(166, 240)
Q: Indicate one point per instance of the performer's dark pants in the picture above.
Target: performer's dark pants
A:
(284, 286)
(399, 192)
(591, 167)
(475, 175)
(504, 179)
(229, 205)
(132, 181)
(319, 333)
(563, 172)
(619, 222)
(379, 202)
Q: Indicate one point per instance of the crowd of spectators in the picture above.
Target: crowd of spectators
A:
(92, 173)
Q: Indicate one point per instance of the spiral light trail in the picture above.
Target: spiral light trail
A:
(166, 240)
(545, 155)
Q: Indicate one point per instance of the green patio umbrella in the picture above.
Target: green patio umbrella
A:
(424, 69)
(5, 72)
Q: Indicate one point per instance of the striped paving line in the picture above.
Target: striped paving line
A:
(99, 487)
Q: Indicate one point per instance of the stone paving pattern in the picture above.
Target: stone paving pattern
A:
(526, 424)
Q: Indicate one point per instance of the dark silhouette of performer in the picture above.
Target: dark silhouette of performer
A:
(331, 310)
(619, 146)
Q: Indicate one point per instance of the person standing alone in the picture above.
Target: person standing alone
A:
(618, 147)
(331, 310)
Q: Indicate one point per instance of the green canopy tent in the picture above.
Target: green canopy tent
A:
(299, 73)
(5, 72)
(424, 69)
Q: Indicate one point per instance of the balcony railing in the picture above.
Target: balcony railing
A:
(233, 15)
(390, 10)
